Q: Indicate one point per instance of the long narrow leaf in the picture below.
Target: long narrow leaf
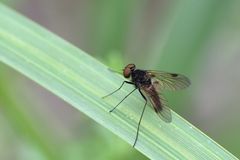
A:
(81, 80)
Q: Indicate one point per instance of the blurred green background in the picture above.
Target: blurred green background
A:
(197, 38)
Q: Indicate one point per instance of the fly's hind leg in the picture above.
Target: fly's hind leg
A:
(139, 122)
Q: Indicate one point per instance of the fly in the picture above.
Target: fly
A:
(150, 83)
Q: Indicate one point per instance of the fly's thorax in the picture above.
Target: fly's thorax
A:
(140, 77)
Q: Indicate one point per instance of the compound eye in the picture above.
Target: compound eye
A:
(127, 72)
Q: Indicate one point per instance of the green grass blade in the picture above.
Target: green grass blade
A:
(81, 81)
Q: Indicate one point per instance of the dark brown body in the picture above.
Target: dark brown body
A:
(154, 97)
(142, 81)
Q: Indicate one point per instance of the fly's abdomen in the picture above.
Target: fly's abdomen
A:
(153, 97)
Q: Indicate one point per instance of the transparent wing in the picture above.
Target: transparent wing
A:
(158, 103)
(168, 81)
(165, 113)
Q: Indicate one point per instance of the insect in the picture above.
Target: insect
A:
(150, 83)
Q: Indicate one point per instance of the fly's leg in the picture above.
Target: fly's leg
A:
(118, 88)
(123, 100)
(139, 122)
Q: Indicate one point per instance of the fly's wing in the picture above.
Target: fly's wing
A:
(165, 113)
(168, 81)
(158, 103)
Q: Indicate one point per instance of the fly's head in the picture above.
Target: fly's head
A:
(127, 71)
